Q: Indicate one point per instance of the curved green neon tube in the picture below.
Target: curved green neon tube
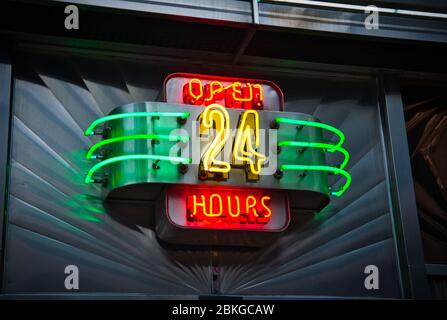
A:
(297, 122)
(327, 146)
(92, 126)
(88, 178)
(346, 174)
(135, 136)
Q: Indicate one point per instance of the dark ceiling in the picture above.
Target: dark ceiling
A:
(123, 27)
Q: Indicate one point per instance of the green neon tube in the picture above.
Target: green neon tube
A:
(340, 134)
(92, 126)
(88, 178)
(135, 136)
(327, 146)
(335, 170)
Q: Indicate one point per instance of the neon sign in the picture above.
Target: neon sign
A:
(235, 95)
(227, 208)
(244, 147)
(239, 93)
(213, 178)
(317, 145)
(245, 208)
(215, 116)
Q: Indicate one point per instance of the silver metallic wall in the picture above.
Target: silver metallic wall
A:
(55, 220)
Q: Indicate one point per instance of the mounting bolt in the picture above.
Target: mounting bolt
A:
(278, 149)
(101, 180)
(218, 176)
(189, 215)
(106, 132)
(300, 151)
(182, 168)
(274, 124)
(99, 156)
(303, 174)
(278, 174)
(203, 175)
(181, 120)
(155, 165)
(155, 141)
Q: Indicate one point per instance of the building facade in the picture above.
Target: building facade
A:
(382, 85)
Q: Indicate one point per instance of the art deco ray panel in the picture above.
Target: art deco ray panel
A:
(54, 219)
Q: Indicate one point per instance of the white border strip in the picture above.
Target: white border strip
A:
(364, 8)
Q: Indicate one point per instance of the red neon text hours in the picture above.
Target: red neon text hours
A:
(230, 208)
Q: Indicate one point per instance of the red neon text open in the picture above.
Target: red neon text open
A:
(235, 95)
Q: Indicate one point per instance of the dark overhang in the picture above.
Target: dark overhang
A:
(232, 31)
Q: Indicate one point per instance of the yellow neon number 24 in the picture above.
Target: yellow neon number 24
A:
(244, 148)
(215, 116)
